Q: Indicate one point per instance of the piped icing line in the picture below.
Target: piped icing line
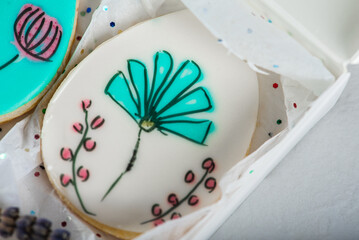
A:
(163, 104)
(9, 62)
(89, 145)
(31, 38)
(210, 184)
(129, 166)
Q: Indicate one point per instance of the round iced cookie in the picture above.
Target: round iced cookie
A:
(36, 36)
(143, 129)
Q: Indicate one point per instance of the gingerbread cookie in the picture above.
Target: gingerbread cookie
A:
(36, 36)
(143, 129)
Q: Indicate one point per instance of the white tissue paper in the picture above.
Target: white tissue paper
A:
(290, 79)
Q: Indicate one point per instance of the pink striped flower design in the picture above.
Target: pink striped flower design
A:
(37, 35)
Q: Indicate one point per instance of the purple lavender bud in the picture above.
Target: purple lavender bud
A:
(24, 227)
(6, 231)
(25, 222)
(12, 212)
(41, 229)
(60, 234)
(22, 234)
(7, 221)
(44, 223)
(38, 237)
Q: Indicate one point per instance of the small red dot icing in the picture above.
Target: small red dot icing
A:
(37, 136)
(64, 224)
(294, 105)
(36, 174)
(211, 183)
(158, 222)
(275, 85)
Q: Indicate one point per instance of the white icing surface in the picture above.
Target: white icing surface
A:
(162, 161)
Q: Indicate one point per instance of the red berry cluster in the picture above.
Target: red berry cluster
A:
(87, 144)
(192, 200)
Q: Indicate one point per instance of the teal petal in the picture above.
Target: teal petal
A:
(186, 76)
(194, 101)
(162, 69)
(139, 79)
(193, 130)
(119, 90)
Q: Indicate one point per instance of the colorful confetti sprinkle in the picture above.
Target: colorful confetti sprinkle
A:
(275, 85)
(112, 24)
(279, 122)
(37, 136)
(36, 174)
(88, 10)
(64, 224)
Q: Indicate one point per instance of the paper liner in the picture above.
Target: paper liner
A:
(283, 67)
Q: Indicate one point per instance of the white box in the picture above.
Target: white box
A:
(322, 28)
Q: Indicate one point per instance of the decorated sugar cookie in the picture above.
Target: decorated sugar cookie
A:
(142, 130)
(35, 38)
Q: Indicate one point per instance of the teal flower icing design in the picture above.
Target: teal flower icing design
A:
(163, 104)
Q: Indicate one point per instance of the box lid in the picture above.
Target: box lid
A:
(327, 28)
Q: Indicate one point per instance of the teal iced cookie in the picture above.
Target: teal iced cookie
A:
(35, 38)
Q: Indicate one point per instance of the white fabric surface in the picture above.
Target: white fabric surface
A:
(313, 193)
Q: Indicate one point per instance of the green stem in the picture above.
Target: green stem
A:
(129, 166)
(74, 183)
(9, 62)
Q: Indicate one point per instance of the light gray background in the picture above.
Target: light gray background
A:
(314, 192)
